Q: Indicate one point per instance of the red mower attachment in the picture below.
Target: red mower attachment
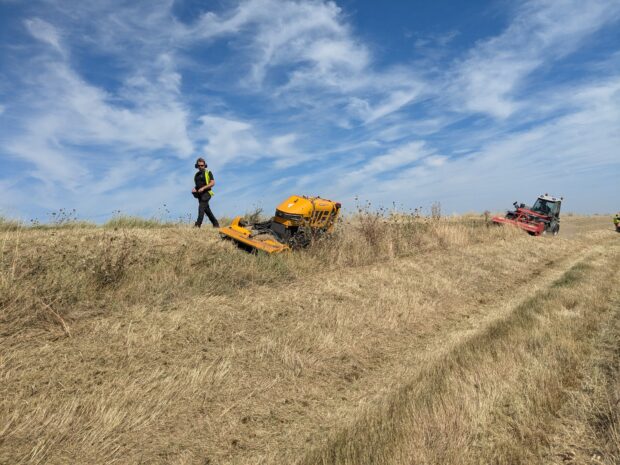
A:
(542, 218)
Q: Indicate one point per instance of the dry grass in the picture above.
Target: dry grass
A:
(398, 340)
(9, 225)
(132, 222)
(78, 272)
(494, 396)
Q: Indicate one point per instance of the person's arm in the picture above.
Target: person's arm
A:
(209, 185)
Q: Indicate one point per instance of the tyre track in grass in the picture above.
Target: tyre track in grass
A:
(491, 395)
(199, 377)
(388, 347)
(452, 324)
(588, 425)
(394, 356)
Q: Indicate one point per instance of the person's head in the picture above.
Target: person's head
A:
(201, 164)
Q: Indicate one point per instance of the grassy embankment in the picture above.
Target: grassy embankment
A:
(408, 341)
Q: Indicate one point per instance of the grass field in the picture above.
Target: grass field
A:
(394, 342)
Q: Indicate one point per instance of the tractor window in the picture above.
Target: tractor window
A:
(554, 208)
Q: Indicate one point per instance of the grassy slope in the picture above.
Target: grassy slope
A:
(451, 345)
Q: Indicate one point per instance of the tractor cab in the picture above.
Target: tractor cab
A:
(548, 206)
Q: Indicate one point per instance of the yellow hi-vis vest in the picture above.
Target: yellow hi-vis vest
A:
(208, 179)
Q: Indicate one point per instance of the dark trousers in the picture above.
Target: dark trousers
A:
(203, 207)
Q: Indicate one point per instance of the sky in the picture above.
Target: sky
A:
(106, 104)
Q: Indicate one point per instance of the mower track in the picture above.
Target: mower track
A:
(387, 432)
(273, 369)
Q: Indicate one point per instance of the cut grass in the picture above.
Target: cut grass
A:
(493, 398)
(589, 423)
(179, 348)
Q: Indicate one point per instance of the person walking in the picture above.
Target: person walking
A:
(203, 182)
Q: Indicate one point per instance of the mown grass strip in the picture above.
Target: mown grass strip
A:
(488, 399)
(593, 410)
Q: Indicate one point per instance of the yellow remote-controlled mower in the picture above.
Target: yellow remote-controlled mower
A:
(297, 221)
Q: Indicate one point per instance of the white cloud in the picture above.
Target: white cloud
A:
(229, 140)
(406, 128)
(542, 32)
(372, 172)
(568, 156)
(45, 32)
(236, 142)
(12, 199)
(285, 149)
(316, 52)
(283, 31)
(396, 158)
(436, 160)
(435, 40)
(289, 82)
(92, 118)
(393, 102)
(49, 162)
(66, 120)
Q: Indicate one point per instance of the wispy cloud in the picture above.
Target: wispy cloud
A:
(309, 35)
(69, 120)
(541, 33)
(114, 99)
(45, 32)
(564, 156)
(231, 141)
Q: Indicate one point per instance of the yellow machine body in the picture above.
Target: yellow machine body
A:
(295, 219)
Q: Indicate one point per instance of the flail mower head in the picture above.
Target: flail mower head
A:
(541, 218)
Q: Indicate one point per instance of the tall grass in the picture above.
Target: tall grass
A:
(73, 271)
(374, 237)
(7, 224)
(398, 337)
(127, 221)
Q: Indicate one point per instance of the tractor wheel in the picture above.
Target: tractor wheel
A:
(556, 229)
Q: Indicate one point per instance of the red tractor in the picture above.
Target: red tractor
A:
(541, 218)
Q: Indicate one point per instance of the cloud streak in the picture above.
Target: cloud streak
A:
(44, 32)
(116, 99)
(541, 33)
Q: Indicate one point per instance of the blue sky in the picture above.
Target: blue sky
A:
(104, 105)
